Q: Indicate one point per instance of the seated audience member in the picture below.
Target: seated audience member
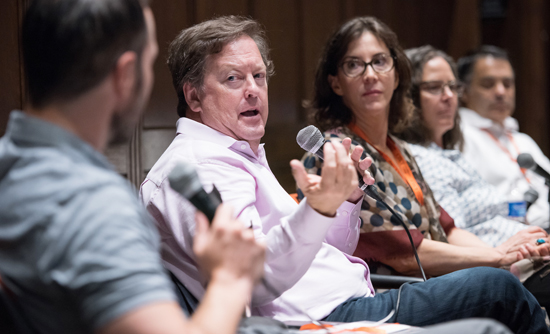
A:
(474, 204)
(78, 252)
(220, 70)
(492, 141)
(360, 92)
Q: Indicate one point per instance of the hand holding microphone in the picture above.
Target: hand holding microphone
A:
(313, 141)
(339, 180)
(225, 249)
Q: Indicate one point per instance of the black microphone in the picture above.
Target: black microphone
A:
(530, 197)
(312, 140)
(525, 160)
(184, 179)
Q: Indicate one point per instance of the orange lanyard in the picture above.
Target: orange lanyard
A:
(505, 150)
(402, 167)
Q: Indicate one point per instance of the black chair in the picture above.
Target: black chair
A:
(392, 281)
(187, 301)
(12, 319)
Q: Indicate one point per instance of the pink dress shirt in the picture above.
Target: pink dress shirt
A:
(307, 257)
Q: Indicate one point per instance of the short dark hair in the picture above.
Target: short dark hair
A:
(70, 46)
(328, 108)
(417, 131)
(466, 64)
(188, 52)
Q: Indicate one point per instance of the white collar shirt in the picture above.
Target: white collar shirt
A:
(492, 150)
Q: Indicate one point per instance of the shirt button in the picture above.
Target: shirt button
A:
(349, 245)
(243, 147)
(354, 213)
(344, 213)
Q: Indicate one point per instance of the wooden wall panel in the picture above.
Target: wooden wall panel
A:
(171, 17)
(207, 9)
(319, 19)
(465, 31)
(531, 69)
(11, 78)
(297, 31)
(282, 21)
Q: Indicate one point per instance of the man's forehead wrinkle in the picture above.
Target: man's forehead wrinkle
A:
(228, 62)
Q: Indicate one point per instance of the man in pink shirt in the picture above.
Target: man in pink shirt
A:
(220, 69)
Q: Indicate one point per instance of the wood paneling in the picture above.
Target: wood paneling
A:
(11, 79)
(297, 31)
(531, 69)
(207, 9)
(466, 30)
(319, 19)
(171, 17)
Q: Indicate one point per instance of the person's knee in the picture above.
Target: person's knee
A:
(495, 281)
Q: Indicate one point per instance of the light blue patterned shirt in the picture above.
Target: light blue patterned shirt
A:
(474, 204)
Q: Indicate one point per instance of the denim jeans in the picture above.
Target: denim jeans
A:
(476, 292)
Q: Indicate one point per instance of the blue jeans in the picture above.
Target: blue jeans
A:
(476, 292)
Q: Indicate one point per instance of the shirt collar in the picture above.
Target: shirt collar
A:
(195, 129)
(472, 118)
(25, 129)
(449, 154)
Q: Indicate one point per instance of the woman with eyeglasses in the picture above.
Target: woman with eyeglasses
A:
(360, 91)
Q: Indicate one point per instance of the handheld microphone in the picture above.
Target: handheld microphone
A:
(312, 140)
(525, 160)
(184, 179)
(530, 197)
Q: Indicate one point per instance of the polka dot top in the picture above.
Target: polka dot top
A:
(382, 235)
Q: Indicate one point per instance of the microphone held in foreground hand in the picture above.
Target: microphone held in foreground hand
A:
(525, 160)
(184, 179)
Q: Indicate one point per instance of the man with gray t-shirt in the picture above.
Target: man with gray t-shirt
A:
(78, 254)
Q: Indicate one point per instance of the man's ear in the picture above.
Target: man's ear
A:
(125, 76)
(192, 97)
(335, 84)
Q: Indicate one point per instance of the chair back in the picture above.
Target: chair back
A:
(12, 319)
(187, 301)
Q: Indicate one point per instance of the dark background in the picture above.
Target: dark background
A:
(297, 30)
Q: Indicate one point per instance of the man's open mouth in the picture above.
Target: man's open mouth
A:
(249, 113)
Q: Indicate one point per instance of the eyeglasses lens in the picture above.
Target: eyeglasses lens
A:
(380, 63)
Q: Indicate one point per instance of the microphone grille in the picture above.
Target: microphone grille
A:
(310, 139)
(184, 179)
(525, 160)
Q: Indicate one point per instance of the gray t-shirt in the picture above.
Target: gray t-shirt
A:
(76, 248)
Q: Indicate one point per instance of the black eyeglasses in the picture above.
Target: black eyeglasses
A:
(380, 63)
(438, 87)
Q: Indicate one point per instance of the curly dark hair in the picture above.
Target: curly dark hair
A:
(418, 132)
(188, 52)
(329, 109)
